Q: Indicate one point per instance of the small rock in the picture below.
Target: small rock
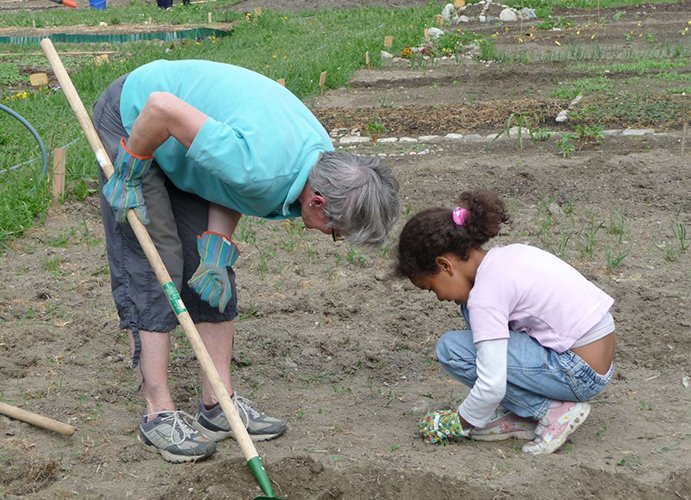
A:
(508, 15)
(435, 32)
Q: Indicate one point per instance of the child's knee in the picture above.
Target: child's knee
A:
(456, 346)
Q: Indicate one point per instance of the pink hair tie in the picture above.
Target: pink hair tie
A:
(460, 215)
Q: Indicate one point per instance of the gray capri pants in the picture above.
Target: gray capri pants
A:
(177, 217)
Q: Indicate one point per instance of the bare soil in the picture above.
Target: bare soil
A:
(326, 341)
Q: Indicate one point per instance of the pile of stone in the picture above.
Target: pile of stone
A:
(485, 11)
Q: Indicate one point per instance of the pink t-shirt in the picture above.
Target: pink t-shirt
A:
(522, 288)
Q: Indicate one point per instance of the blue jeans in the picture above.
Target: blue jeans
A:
(535, 374)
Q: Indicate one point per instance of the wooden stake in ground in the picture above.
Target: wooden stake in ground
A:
(367, 62)
(388, 42)
(426, 35)
(322, 81)
(210, 17)
(59, 160)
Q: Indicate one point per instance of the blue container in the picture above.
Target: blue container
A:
(97, 4)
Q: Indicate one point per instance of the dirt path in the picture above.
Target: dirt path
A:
(346, 356)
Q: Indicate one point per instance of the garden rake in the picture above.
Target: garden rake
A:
(254, 461)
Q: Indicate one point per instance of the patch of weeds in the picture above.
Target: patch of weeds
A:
(52, 265)
(81, 190)
(589, 235)
(645, 406)
(559, 22)
(618, 15)
(394, 447)
(680, 245)
(589, 134)
(339, 389)
(541, 134)
(584, 86)
(600, 433)
(252, 312)
(679, 231)
(488, 50)
(618, 251)
(59, 241)
(295, 230)
(355, 257)
(245, 231)
(567, 144)
(10, 74)
(634, 462)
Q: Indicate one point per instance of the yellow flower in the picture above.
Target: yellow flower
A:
(406, 52)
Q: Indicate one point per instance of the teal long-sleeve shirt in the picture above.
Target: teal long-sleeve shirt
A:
(255, 151)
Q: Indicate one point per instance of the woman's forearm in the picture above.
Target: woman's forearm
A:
(164, 116)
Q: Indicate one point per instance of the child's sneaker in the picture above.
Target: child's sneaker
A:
(505, 425)
(441, 426)
(172, 434)
(259, 426)
(556, 426)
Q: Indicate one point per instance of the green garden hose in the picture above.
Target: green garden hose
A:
(21, 119)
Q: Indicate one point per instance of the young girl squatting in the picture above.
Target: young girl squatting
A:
(540, 341)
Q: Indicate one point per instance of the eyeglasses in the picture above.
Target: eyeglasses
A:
(336, 236)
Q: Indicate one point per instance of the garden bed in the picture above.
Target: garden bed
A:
(326, 341)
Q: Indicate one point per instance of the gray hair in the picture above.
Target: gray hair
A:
(361, 195)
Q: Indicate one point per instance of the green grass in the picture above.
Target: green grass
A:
(279, 45)
(284, 45)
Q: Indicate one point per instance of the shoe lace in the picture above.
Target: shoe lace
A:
(178, 421)
(244, 404)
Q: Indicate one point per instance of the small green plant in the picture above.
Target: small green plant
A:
(567, 144)
(589, 134)
(541, 134)
(394, 447)
(618, 15)
(615, 256)
(589, 236)
(645, 406)
(52, 265)
(679, 230)
(488, 50)
(522, 121)
(355, 257)
(375, 128)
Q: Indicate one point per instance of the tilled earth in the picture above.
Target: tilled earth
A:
(327, 341)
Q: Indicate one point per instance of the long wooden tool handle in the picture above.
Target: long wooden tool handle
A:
(241, 435)
(37, 420)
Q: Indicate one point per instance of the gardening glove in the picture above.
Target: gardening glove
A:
(442, 426)
(124, 188)
(217, 253)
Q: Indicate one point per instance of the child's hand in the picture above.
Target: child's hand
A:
(441, 426)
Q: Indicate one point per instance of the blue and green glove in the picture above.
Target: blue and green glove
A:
(124, 188)
(217, 253)
(442, 426)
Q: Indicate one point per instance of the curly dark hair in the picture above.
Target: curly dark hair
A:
(433, 232)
